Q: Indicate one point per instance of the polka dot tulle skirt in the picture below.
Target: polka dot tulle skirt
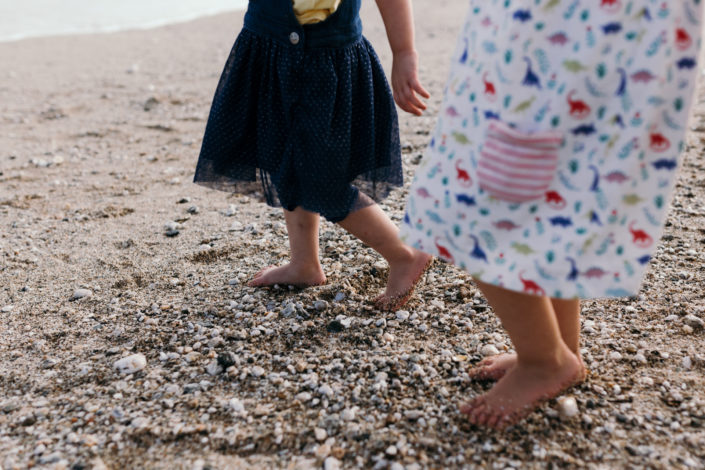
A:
(305, 127)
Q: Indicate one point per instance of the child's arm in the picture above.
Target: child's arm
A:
(398, 20)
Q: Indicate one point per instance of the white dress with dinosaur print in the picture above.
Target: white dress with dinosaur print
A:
(614, 80)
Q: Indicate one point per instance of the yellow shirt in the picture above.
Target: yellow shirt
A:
(314, 11)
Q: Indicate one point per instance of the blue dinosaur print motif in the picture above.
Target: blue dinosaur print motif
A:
(615, 79)
(530, 78)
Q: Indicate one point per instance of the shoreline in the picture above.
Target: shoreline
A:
(91, 30)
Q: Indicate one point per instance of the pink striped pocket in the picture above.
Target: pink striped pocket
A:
(516, 166)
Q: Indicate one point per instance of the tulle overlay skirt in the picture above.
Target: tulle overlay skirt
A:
(307, 127)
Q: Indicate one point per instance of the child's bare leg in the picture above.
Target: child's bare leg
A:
(545, 364)
(568, 316)
(406, 265)
(304, 269)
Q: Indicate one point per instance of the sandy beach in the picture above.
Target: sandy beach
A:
(107, 250)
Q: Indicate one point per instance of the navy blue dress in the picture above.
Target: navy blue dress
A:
(304, 114)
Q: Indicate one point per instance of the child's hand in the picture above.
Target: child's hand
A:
(406, 85)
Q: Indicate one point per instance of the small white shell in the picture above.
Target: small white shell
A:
(567, 407)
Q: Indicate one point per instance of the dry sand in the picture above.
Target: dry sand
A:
(99, 136)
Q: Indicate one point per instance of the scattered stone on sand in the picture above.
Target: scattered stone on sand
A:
(274, 378)
(489, 350)
(694, 322)
(567, 407)
(331, 463)
(81, 294)
(131, 364)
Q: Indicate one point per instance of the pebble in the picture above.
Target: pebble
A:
(339, 297)
(489, 350)
(98, 464)
(348, 414)
(648, 381)
(694, 322)
(81, 294)
(326, 391)
(615, 356)
(335, 326)
(131, 364)
(687, 363)
(227, 359)
(49, 363)
(303, 397)
(402, 315)
(391, 450)
(331, 463)
(236, 406)
(214, 368)
(171, 225)
(320, 434)
(320, 305)
(567, 407)
(193, 210)
(257, 371)
(7, 309)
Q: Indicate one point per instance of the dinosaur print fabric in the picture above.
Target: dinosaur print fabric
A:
(613, 78)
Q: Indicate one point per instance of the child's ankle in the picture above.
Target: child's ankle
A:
(307, 267)
(557, 359)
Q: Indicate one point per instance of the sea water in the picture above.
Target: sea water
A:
(30, 18)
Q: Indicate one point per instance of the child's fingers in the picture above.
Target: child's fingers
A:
(415, 101)
(413, 105)
(407, 99)
(402, 99)
(418, 88)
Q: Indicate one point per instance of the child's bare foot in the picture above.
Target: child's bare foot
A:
(522, 389)
(403, 277)
(289, 275)
(493, 368)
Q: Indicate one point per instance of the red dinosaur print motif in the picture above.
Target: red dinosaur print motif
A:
(443, 252)
(643, 76)
(463, 176)
(578, 108)
(658, 142)
(683, 39)
(611, 6)
(558, 39)
(639, 237)
(506, 224)
(595, 273)
(490, 91)
(530, 287)
(555, 200)
(423, 193)
(616, 177)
